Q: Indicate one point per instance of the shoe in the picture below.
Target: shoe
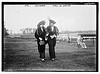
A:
(42, 60)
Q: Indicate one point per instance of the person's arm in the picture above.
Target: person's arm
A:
(36, 35)
(47, 31)
(57, 32)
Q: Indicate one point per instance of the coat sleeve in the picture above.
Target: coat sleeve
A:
(47, 29)
(36, 35)
(57, 31)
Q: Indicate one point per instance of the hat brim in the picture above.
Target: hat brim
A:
(41, 23)
(52, 21)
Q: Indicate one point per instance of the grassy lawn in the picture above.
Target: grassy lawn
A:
(22, 55)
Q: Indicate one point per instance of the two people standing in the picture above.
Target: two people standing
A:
(46, 35)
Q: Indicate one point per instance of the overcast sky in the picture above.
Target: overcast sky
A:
(73, 18)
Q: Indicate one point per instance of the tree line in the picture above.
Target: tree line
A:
(5, 33)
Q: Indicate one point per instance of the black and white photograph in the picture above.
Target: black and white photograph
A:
(50, 36)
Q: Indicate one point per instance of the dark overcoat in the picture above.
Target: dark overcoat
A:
(52, 42)
(41, 34)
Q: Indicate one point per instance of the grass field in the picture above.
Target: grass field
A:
(22, 55)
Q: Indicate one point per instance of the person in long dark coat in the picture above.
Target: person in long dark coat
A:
(52, 35)
(40, 35)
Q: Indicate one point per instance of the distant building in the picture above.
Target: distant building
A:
(27, 33)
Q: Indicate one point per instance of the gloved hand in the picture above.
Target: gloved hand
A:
(47, 34)
(52, 36)
(40, 38)
(46, 39)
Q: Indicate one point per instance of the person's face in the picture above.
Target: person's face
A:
(41, 25)
(51, 24)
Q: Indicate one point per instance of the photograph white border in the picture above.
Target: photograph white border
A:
(47, 1)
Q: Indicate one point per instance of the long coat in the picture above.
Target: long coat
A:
(52, 42)
(42, 34)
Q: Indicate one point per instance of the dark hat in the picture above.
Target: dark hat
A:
(42, 22)
(52, 21)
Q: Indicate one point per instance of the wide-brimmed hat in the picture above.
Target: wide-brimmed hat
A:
(41, 23)
(52, 21)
